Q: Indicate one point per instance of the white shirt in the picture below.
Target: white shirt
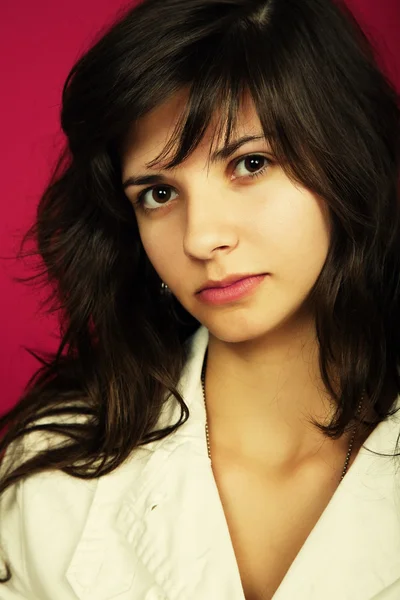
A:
(155, 529)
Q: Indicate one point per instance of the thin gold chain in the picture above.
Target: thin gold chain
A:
(346, 462)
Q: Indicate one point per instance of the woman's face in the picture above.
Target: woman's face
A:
(209, 223)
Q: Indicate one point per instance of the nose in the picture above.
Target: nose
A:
(211, 225)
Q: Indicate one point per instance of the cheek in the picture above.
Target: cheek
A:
(293, 229)
(153, 251)
(161, 249)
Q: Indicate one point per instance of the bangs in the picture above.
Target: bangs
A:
(218, 93)
(276, 59)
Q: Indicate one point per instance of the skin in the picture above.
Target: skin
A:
(262, 381)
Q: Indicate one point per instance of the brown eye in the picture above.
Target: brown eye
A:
(159, 194)
(253, 164)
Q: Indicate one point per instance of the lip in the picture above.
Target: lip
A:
(212, 283)
(224, 294)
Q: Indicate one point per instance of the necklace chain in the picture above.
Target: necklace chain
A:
(346, 462)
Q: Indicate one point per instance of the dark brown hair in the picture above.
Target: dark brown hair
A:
(333, 121)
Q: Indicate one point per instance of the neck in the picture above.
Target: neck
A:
(261, 395)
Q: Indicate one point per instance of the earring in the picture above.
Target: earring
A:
(164, 289)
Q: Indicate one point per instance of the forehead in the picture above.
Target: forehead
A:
(148, 136)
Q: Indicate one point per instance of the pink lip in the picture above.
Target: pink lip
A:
(230, 293)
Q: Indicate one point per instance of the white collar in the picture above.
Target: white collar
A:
(170, 518)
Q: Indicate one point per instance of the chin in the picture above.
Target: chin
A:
(258, 324)
(235, 328)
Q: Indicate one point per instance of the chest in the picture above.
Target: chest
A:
(269, 520)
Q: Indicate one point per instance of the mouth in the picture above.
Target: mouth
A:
(227, 281)
(235, 290)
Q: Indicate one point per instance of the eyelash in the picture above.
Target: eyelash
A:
(140, 197)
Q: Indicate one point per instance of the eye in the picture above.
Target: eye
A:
(159, 194)
(255, 163)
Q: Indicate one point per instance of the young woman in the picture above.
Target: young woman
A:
(222, 239)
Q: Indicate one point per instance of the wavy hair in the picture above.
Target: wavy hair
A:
(332, 118)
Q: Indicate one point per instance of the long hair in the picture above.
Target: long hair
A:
(333, 122)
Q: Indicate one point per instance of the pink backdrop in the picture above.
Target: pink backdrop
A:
(39, 42)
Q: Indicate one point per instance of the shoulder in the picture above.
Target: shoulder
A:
(39, 509)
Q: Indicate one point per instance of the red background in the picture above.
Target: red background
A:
(39, 42)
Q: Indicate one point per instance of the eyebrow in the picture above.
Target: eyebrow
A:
(217, 156)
